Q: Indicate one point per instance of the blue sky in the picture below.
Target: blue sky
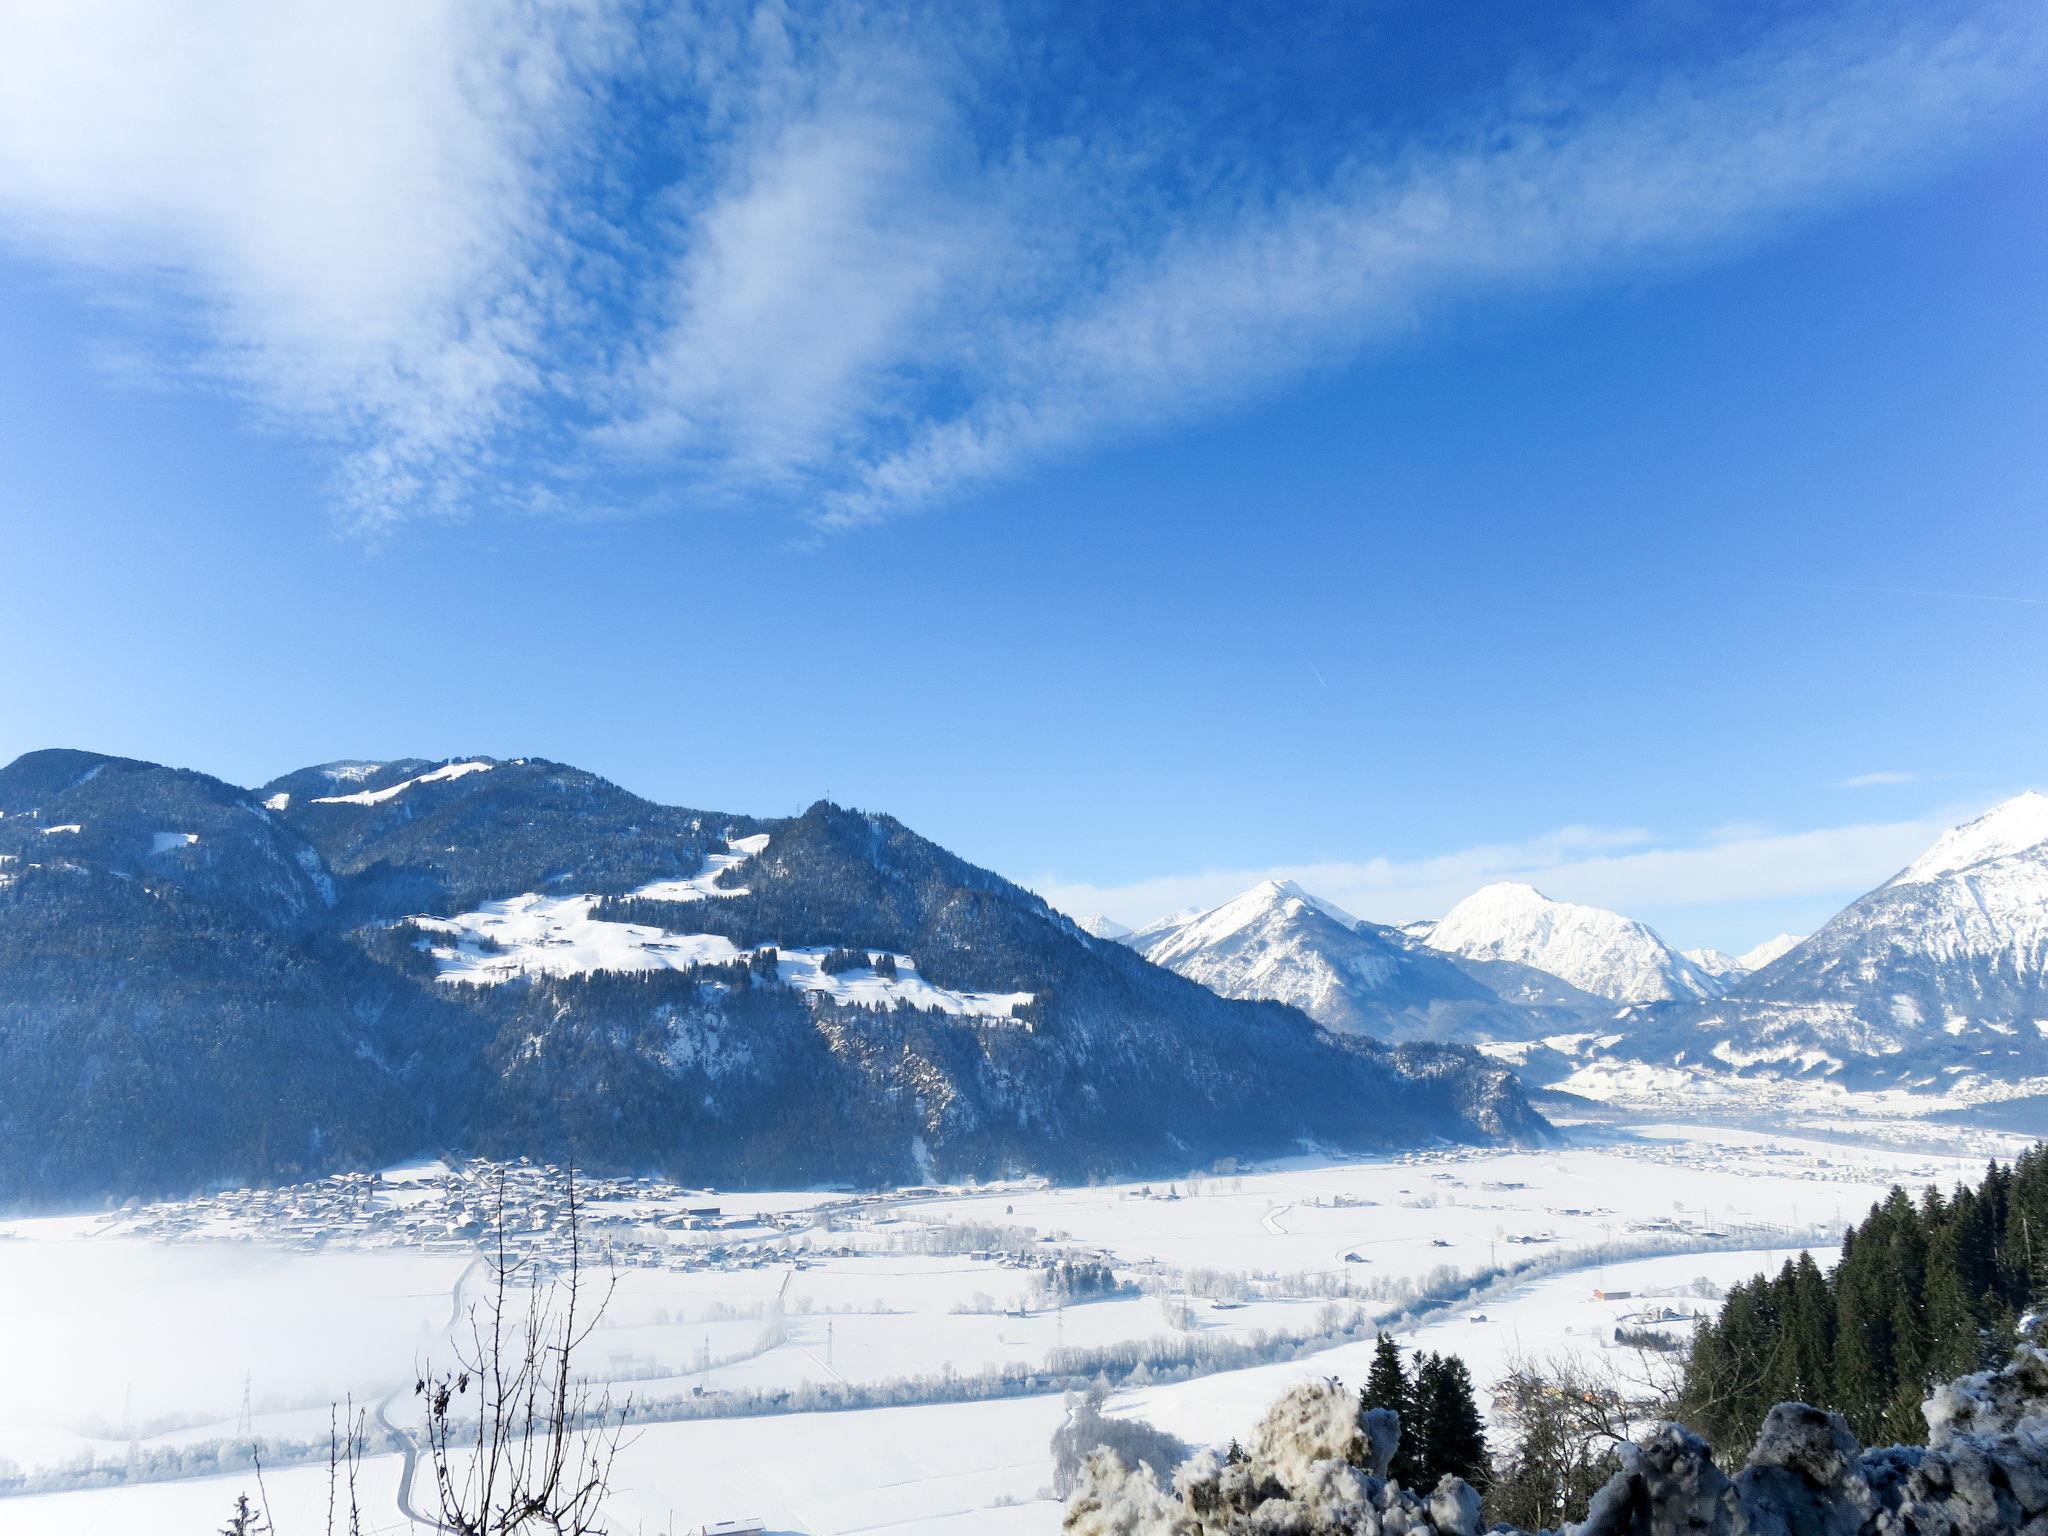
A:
(1146, 452)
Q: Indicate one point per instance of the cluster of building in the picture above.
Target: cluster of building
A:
(472, 1205)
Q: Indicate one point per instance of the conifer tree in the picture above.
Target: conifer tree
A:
(1453, 1434)
(1428, 1385)
(1387, 1386)
(1810, 1328)
(1863, 1384)
(1955, 1335)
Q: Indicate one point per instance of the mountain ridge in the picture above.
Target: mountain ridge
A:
(337, 969)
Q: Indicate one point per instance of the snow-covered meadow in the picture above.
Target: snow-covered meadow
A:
(532, 934)
(128, 1346)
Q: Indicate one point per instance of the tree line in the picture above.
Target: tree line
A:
(1926, 1290)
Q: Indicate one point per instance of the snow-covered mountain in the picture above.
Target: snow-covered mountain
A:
(1597, 951)
(1726, 968)
(1756, 959)
(1717, 963)
(1936, 981)
(1944, 965)
(1101, 927)
(1279, 942)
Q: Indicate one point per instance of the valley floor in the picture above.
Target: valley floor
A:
(162, 1341)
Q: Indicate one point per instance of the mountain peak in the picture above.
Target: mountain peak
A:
(1268, 896)
(1103, 927)
(1512, 890)
(2010, 827)
(1595, 950)
(1276, 892)
(1756, 959)
(1716, 962)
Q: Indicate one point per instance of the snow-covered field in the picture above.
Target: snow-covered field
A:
(118, 1342)
(559, 936)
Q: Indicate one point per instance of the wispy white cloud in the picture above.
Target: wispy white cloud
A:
(1626, 871)
(1677, 166)
(348, 212)
(811, 258)
(1875, 780)
(824, 264)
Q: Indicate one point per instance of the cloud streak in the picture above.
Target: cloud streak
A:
(842, 263)
(1624, 870)
(1683, 165)
(347, 213)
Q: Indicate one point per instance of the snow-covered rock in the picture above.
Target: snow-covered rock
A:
(1316, 1465)
(1598, 951)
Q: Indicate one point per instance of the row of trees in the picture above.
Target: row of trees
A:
(1926, 1290)
(843, 960)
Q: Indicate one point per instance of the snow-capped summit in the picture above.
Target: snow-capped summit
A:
(1274, 941)
(2014, 826)
(1278, 941)
(1956, 941)
(1935, 981)
(1272, 892)
(1101, 927)
(1727, 968)
(1716, 962)
(1598, 951)
(1756, 959)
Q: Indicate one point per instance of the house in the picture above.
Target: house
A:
(1600, 1295)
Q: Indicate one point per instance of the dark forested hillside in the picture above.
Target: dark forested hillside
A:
(163, 827)
(200, 983)
(521, 825)
(151, 1041)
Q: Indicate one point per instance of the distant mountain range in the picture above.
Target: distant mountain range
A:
(1276, 941)
(1935, 981)
(202, 983)
(1723, 966)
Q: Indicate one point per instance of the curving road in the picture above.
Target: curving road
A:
(408, 1442)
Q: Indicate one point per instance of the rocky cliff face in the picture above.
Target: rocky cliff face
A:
(1317, 1467)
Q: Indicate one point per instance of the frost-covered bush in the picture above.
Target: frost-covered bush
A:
(1135, 1447)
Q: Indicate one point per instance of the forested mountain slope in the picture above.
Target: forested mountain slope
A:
(358, 961)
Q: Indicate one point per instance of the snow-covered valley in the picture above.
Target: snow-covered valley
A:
(155, 1337)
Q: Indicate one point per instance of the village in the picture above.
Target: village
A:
(437, 1208)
